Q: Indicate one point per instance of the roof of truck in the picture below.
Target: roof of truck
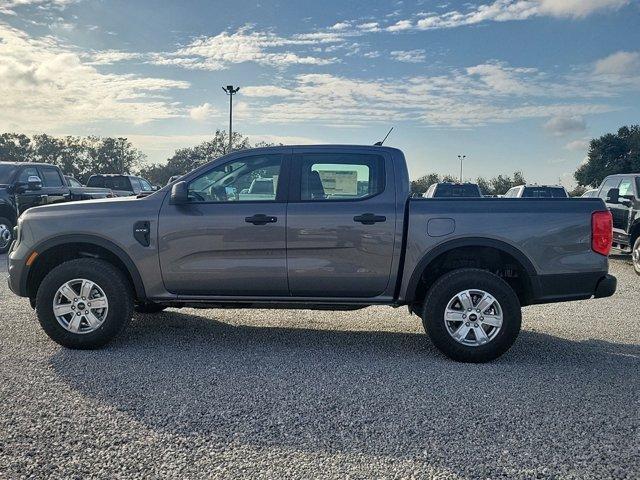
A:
(18, 164)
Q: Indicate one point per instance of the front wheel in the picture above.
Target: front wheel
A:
(84, 303)
(6, 234)
(472, 315)
(635, 255)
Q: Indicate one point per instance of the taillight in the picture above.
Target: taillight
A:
(601, 232)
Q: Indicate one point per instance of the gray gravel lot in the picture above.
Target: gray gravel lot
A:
(273, 394)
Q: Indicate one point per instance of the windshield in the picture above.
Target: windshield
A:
(6, 173)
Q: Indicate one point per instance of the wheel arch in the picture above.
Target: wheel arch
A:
(7, 211)
(56, 250)
(492, 250)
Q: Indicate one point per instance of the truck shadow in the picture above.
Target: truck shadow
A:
(377, 393)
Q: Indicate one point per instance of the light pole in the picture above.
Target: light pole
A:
(461, 157)
(229, 90)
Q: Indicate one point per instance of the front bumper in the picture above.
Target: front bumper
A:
(18, 271)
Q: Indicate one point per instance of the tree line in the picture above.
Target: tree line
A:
(81, 157)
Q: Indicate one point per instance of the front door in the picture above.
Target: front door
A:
(230, 238)
(28, 198)
(340, 224)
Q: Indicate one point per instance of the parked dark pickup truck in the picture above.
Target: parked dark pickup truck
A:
(329, 227)
(77, 191)
(122, 185)
(622, 195)
(24, 185)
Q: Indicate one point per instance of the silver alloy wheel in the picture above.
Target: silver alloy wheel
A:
(80, 306)
(473, 317)
(5, 235)
(635, 255)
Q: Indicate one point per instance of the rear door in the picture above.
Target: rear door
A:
(54, 188)
(340, 223)
(229, 240)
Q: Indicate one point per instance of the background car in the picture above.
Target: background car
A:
(621, 193)
(537, 191)
(451, 189)
(590, 193)
(122, 185)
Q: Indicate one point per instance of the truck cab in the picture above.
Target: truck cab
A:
(621, 193)
(25, 185)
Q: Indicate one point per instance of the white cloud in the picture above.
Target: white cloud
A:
(580, 145)
(619, 63)
(203, 112)
(369, 27)
(8, 7)
(265, 91)
(578, 8)
(246, 45)
(409, 56)
(456, 100)
(563, 125)
(508, 10)
(108, 57)
(45, 84)
(341, 26)
(400, 25)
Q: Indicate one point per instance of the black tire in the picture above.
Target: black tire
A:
(452, 283)
(112, 281)
(4, 243)
(149, 307)
(635, 255)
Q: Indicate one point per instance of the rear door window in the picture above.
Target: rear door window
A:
(626, 186)
(51, 177)
(329, 176)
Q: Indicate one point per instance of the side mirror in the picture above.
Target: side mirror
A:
(34, 183)
(613, 196)
(155, 188)
(179, 194)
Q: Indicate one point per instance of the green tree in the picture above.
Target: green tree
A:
(611, 154)
(484, 185)
(420, 185)
(186, 159)
(578, 191)
(15, 147)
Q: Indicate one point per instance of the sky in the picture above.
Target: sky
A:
(511, 84)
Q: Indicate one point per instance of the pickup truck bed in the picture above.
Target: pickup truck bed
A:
(333, 227)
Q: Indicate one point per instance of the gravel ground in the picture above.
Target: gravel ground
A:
(274, 394)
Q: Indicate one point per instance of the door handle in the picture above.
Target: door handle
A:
(369, 218)
(261, 219)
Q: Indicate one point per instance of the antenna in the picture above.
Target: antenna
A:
(379, 144)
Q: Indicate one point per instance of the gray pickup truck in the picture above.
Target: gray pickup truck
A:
(314, 227)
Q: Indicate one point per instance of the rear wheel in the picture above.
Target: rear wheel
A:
(472, 315)
(635, 255)
(6, 234)
(84, 303)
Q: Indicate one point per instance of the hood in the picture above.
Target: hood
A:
(97, 208)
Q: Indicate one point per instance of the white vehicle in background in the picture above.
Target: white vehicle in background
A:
(590, 193)
(537, 191)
